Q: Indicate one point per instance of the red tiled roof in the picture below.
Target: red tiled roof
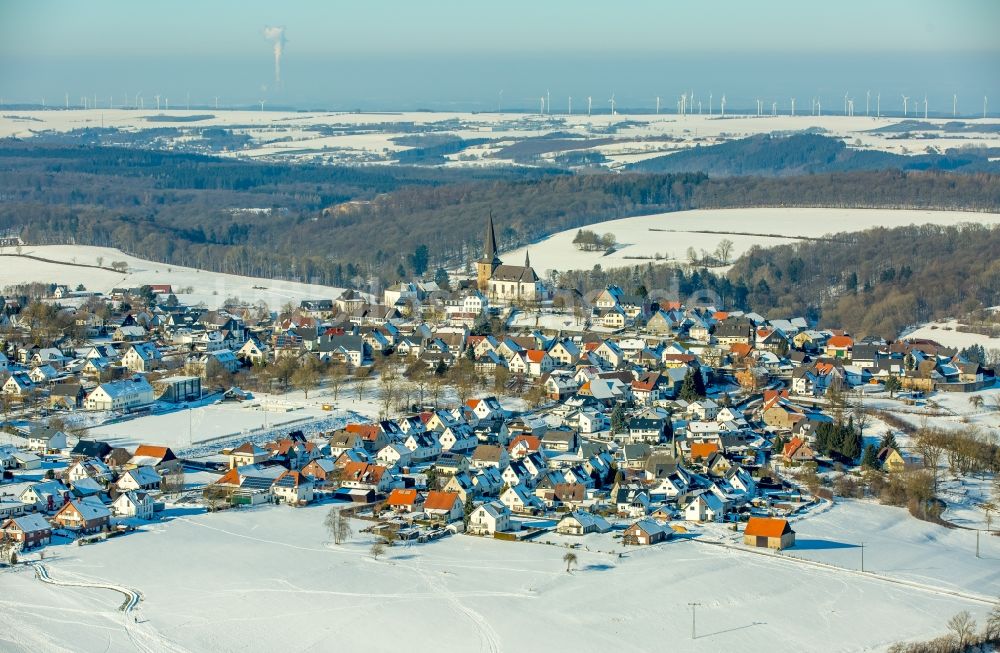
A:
(766, 527)
(437, 500)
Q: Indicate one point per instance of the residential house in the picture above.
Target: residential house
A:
(293, 488)
(82, 516)
(28, 530)
(143, 477)
(446, 506)
(45, 439)
(645, 532)
(580, 522)
(134, 504)
(489, 518)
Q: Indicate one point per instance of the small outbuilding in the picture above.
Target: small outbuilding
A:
(768, 533)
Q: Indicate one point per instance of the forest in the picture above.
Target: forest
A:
(798, 154)
(330, 224)
(875, 282)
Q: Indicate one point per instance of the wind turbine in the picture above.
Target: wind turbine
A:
(954, 105)
(548, 100)
(67, 99)
(723, 103)
(819, 107)
(709, 103)
(868, 102)
(216, 102)
(985, 99)
(774, 108)
(878, 105)
(925, 107)
(845, 103)
(657, 105)
(570, 106)
(793, 107)
(262, 106)
(158, 102)
(136, 99)
(906, 99)
(541, 106)
(612, 101)
(590, 104)
(499, 100)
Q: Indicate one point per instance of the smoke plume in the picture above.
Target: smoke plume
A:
(276, 35)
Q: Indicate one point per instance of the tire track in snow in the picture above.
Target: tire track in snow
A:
(141, 638)
(490, 641)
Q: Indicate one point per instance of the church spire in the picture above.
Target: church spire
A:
(491, 241)
(527, 261)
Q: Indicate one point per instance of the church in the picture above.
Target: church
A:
(505, 282)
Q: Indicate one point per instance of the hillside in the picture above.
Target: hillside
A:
(316, 223)
(874, 282)
(776, 155)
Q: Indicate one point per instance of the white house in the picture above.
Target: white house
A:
(120, 395)
(581, 523)
(143, 477)
(133, 504)
(394, 455)
(44, 439)
(489, 518)
(704, 506)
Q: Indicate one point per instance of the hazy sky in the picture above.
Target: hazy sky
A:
(446, 53)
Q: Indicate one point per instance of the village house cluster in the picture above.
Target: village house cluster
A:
(642, 414)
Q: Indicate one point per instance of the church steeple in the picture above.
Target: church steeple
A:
(490, 253)
(490, 261)
(527, 261)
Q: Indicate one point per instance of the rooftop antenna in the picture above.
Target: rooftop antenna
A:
(590, 103)
(868, 102)
(906, 100)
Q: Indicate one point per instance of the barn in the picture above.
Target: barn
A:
(768, 533)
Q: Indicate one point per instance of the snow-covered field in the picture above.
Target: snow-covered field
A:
(641, 238)
(367, 137)
(212, 288)
(184, 428)
(268, 579)
(947, 334)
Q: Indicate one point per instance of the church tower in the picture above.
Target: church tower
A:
(490, 261)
